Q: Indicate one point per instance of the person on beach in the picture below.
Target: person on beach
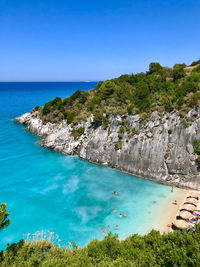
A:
(114, 210)
(172, 189)
(116, 227)
(170, 225)
(175, 202)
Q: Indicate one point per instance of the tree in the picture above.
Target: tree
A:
(154, 67)
(4, 220)
(178, 71)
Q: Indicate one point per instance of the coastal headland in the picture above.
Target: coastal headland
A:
(152, 153)
(145, 124)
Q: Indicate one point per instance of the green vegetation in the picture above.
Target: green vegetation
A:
(161, 88)
(4, 220)
(153, 249)
(173, 249)
(194, 63)
(78, 132)
(135, 131)
(197, 146)
(37, 108)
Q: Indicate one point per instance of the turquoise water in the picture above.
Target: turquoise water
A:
(48, 191)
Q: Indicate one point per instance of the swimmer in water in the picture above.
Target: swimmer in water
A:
(155, 201)
(116, 227)
(124, 214)
(172, 189)
(114, 210)
(103, 232)
(120, 215)
(108, 227)
(115, 193)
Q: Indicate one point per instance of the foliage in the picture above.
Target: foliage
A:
(194, 63)
(178, 71)
(78, 132)
(197, 146)
(54, 104)
(4, 220)
(37, 108)
(198, 160)
(105, 122)
(135, 131)
(155, 67)
(161, 88)
(173, 249)
(70, 116)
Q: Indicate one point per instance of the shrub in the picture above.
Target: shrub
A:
(105, 122)
(178, 248)
(76, 95)
(98, 119)
(161, 88)
(155, 67)
(46, 108)
(135, 131)
(196, 145)
(78, 132)
(194, 63)
(4, 220)
(185, 124)
(178, 71)
(70, 117)
(37, 108)
(130, 109)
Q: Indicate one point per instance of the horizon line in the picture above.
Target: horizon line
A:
(46, 81)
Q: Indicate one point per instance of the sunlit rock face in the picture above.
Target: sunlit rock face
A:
(160, 149)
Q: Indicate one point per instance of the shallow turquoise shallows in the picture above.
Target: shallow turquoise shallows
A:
(48, 191)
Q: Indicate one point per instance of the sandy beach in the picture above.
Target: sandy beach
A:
(167, 211)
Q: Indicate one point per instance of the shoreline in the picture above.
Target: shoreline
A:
(182, 187)
(167, 212)
(137, 157)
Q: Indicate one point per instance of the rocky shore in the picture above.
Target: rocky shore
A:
(160, 149)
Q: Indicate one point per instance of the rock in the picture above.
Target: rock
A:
(23, 119)
(165, 156)
(149, 134)
(190, 149)
(155, 115)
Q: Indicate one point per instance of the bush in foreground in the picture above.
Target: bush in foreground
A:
(173, 249)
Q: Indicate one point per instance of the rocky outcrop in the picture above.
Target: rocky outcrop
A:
(160, 149)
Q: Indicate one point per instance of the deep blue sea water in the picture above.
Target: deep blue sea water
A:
(48, 191)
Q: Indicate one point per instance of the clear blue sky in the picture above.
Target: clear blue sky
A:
(74, 40)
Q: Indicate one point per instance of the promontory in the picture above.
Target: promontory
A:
(145, 124)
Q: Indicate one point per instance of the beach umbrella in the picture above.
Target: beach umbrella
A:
(188, 207)
(185, 214)
(194, 194)
(181, 224)
(192, 200)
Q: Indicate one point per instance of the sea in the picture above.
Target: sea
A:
(59, 197)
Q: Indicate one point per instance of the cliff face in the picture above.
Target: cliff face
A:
(160, 149)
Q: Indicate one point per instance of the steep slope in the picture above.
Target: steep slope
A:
(148, 127)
